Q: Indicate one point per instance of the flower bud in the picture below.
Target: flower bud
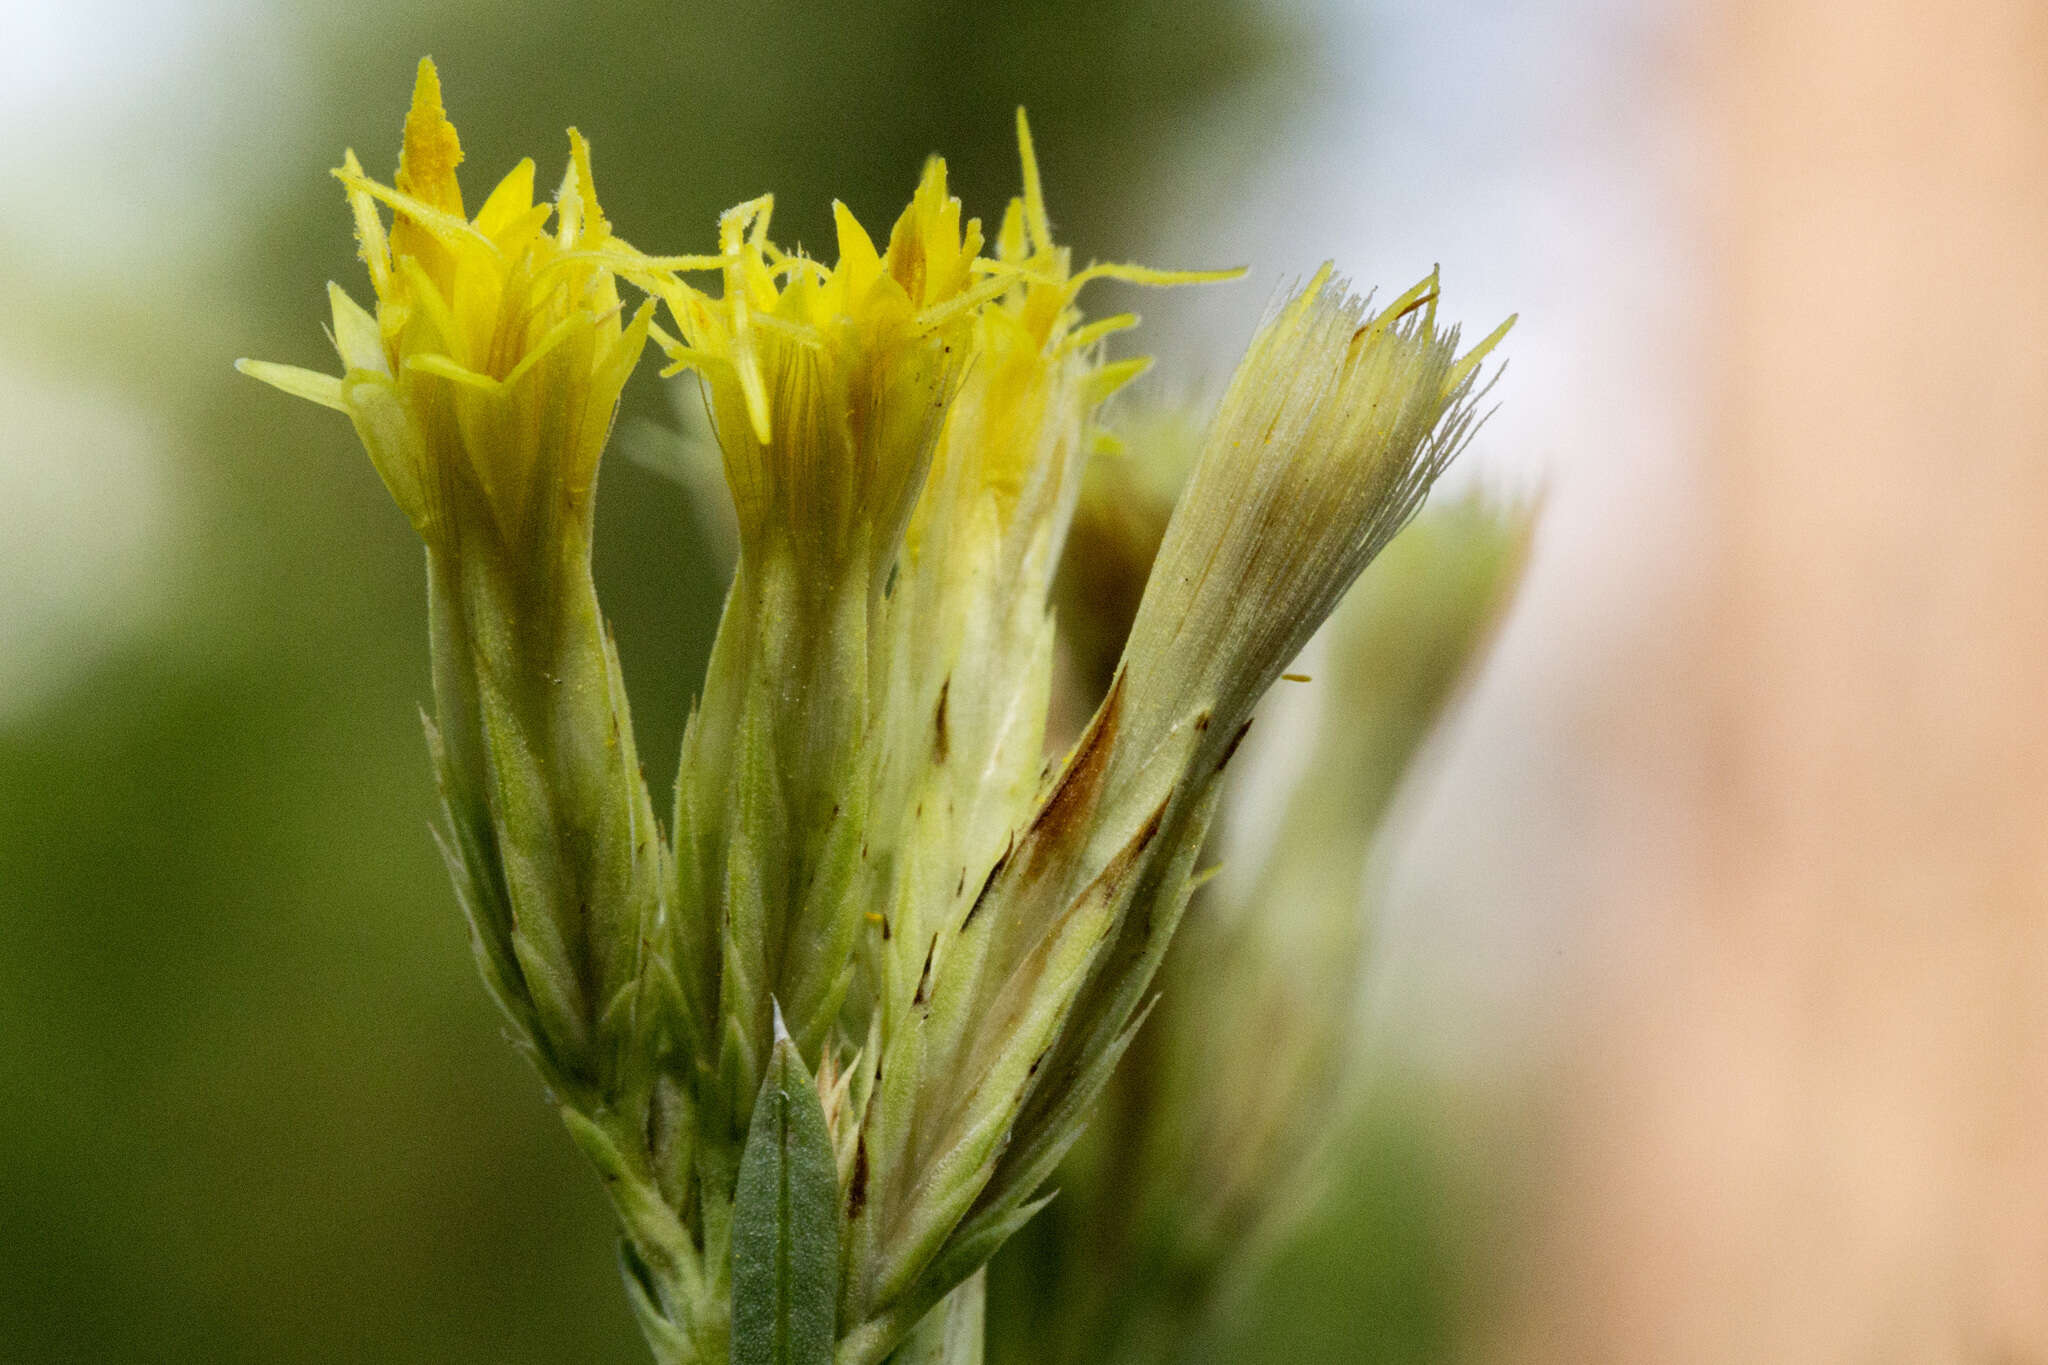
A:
(1331, 432)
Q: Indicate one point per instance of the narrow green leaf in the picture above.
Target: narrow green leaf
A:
(785, 1237)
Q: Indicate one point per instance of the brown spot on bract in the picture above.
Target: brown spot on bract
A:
(857, 1186)
(981, 896)
(1230, 749)
(1104, 887)
(1073, 798)
(924, 980)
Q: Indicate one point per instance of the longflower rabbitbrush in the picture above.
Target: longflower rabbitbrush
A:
(827, 1034)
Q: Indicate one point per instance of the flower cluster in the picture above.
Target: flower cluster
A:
(827, 1034)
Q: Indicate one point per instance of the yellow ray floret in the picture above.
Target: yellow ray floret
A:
(489, 370)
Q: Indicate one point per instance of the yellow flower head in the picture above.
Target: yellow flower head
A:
(484, 384)
(1024, 417)
(830, 387)
(827, 386)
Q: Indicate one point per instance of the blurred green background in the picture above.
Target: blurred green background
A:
(258, 1106)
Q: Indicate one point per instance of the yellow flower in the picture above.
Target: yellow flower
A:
(968, 618)
(827, 386)
(1024, 416)
(484, 384)
(830, 386)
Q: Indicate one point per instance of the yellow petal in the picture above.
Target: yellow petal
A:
(370, 240)
(1148, 275)
(554, 337)
(357, 336)
(518, 233)
(426, 297)
(859, 262)
(735, 222)
(324, 389)
(1107, 379)
(1096, 331)
(417, 219)
(445, 368)
(578, 219)
(683, 358)
(752, 386)
(938, 315)
(426, 165)
(1035, 217)
(512, 198)
(924, 235)
(1010, 244)
(1422, 291)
